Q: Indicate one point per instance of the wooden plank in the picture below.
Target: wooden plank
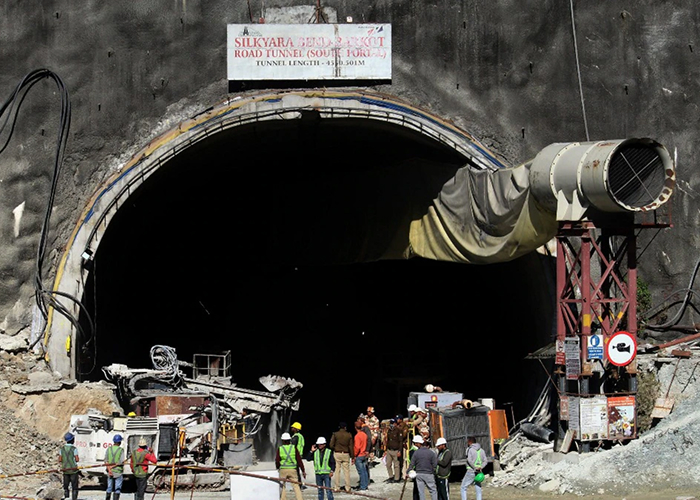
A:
(662, 407)
(566, 442)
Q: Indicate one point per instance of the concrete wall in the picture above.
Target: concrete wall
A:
(505, 71)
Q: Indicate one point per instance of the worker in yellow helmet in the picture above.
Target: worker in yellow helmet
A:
(299, 442)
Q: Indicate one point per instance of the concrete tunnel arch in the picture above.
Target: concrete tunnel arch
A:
(234, 114)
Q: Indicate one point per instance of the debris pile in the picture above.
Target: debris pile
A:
(34, 406)
(667, 455)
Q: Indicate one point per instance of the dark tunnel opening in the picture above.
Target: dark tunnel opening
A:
(266, 241)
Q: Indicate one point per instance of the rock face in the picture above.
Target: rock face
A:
(506, 71)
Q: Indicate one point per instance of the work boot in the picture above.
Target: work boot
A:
(109, 496)
(116, 496)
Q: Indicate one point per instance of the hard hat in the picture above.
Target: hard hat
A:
(69, 437)
(286, 436)
(321, 440)
(143, 442)
(117, 438)
(412, 474)
(131, 414)
(418, 439)
(479, 477)
(440, 441)
(412, 408)
(296, 425)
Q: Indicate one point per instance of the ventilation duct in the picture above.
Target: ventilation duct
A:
(629, 175)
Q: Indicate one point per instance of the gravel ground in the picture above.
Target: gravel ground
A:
(663, 463)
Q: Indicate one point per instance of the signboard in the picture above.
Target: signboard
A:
(594, 346)
(559, 355)
(622, 417)
(594, 418)
(309, 52)
(573, 358)
(574, 416)
(564, 408)
(621, 348)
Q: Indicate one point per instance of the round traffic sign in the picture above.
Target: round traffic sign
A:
(621, 348)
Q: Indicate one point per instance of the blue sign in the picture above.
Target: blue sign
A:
(595, 347)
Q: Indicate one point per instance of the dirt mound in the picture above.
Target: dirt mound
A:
(35, 410)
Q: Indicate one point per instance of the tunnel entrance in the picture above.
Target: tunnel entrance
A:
(270, 240)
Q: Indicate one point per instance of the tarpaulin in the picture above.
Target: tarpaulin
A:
(482, 217)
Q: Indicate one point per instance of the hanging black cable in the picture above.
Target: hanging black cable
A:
(9, 112)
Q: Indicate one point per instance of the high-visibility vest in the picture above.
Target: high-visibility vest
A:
(288, 457)
(437, 467)
(322, 464)
(300, 443)
(114, 457)
(408, 455)
(68, 459)
(478, 462)
(138, 458)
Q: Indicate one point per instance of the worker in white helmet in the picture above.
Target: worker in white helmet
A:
(324, 467)
(287, 461)
(423, 464)
(444, 468)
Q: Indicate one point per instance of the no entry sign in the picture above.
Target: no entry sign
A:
(621, 348)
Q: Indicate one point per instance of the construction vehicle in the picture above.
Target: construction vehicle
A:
(190, 423)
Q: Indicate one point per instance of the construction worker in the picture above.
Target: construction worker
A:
(424, 464)
(114, 461)
(140, 458)
(324, 467)
(342, 446)
(444, 468)
(68, 459)
(287, 461)
(476, 460)
(298, 441)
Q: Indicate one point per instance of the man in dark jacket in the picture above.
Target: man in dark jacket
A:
(444, 468)
(341, 444)
(394, 447)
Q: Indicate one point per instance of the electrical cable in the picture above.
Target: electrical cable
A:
(9, 113)
(578, 70)
(686, 300)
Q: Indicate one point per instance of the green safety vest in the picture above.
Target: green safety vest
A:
(479, 461)
(68, 459)
(138, 458)
(322, 464)
(288, 459)
(408, 455)
(300, 443)
(114, 456)
(437, 467)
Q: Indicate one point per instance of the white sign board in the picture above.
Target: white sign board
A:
(309, 52)
(594, 418)
(621, 348)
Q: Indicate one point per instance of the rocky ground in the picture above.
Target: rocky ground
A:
(35, 407)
